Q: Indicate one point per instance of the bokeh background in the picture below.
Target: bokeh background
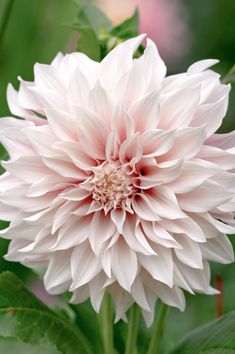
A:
(184, 30)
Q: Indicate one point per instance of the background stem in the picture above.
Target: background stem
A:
(132, 330)
(106, 315)
(158, 329)
(5, 17)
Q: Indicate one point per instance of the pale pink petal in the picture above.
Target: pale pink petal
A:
(124, 258)
(84, 265)
(145, 112)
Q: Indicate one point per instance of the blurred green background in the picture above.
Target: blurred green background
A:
(35, 32)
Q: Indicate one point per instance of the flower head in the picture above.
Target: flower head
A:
(116, 179)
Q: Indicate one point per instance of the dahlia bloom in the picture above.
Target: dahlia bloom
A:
(116, 179)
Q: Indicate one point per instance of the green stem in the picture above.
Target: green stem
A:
(5, 18)
(106, 316)
(132, 330)
(230, 76)
(158, 330)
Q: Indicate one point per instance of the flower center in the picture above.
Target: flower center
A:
(112, 187)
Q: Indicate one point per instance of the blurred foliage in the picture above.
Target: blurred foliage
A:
(26, 318)
(97, 36)
(208, 338)
(212, 35)
(35, 32)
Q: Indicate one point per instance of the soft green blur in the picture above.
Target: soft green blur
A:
(35, 32)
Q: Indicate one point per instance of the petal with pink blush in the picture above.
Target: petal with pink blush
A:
(145, 112)
(143, 208)
(138, 243)
(62, 124)
(222, 158)
(78, 89)
(188, 142)
(222, 141)
(151, 61)
(101, 230)
(218, 250)
(212, 114)
(99, 102)
(157, 142)
(117, 62)
(160, 266)
(58, 266)
(190, 253)
(202, 65)
(192, 175)
(204, 198)
(178, 108)
(92, 133)
(124, 258)
(77, 231)
(84, 265)
(164, 203)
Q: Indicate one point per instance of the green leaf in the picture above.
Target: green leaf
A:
(90, 14)
(230, 76)
(88, 42)
(128, 28)
(89, 22)
(13, 346)
(216, 337)
(25, 318)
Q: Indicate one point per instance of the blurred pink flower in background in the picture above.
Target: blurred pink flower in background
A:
(163, 21)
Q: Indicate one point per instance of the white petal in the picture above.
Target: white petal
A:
(92, 132)
(118, 61)
(124, 258)
(212, 114)
(177, 108)
(118, 216)
(57, 277)
(145, 112)
(193, 174)
(152, 60)
(62, 124)
(157, 142)
(99, 103)
(184, 226)
(97, 291)
(202, 65)
(78, 89)
(101, 230)
(135, 238)
(84, 265)
(72, 233)
(218, 249)
(160, 267)
(138, 293)
(164, 203)
(188, 142)
(143, 208)
(203, 198)
(190, 254)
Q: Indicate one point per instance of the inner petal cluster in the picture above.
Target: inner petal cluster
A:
(111, 186)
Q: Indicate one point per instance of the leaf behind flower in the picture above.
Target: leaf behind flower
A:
(25, 318)
(216, 337)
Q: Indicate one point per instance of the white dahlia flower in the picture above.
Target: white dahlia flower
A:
(116, 179)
